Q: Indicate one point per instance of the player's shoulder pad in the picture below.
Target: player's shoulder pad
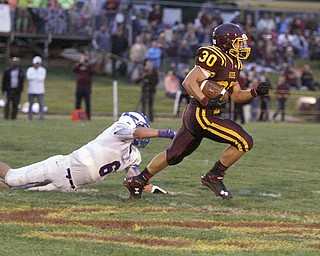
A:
(122, 129)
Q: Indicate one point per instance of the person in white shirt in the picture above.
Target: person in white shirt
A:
(284, 41)
(115, 149)
(137, 54)
(36, 76)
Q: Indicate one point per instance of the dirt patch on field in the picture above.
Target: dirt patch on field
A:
(41, 216)
(122, 239)
(62, 218)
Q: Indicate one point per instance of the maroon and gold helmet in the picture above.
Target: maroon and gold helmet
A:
(231, 39)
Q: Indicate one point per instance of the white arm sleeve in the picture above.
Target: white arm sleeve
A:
(124, 133)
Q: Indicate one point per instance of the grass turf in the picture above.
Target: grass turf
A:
(275, 209)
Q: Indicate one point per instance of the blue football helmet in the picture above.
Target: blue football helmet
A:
(135, 119)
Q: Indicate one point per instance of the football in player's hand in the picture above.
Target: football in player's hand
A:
(213, 89)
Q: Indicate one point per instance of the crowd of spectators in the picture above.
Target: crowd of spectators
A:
(124, 41)
(277, 40)
(82, 17)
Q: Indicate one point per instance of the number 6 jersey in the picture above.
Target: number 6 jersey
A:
(110, 152)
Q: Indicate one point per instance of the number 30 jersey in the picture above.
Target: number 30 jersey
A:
(110, 152)
(222, 67)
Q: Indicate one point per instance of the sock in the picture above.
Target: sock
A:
(218, 169)
(145, 175)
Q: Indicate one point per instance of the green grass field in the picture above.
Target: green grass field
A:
(275, 209)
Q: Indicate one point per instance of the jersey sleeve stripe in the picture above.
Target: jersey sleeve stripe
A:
(218, 53)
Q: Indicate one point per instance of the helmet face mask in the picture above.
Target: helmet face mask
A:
(135, 119)
(230, 38)
(240, 48)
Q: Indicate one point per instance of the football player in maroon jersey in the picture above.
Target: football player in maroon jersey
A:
(220, 62)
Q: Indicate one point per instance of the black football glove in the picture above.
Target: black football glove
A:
(263, 88)
(215, 102)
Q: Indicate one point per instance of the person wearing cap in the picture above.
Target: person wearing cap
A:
(12, 87)
(36, 75)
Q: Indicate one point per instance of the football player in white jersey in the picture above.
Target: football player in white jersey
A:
(115, 149)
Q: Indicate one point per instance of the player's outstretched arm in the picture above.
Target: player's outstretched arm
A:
(239, 95)
(144, 132)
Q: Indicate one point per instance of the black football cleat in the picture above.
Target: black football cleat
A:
(135, 187)
(215, 183)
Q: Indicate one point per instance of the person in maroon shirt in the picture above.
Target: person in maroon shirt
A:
(84, 71)
(282, 94)
(156, 14)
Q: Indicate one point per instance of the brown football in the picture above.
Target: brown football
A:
(212, 89)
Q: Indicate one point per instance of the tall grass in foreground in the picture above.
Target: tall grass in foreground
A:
(275, 210)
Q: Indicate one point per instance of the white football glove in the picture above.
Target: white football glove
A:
(154, 189)
(158, 190)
